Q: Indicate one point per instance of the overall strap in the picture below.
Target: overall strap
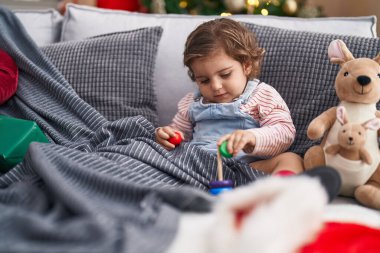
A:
(251, 86)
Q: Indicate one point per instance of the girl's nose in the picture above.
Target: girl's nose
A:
(216, 85)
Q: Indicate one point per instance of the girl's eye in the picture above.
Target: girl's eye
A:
(344, 131)
(345, 74)
(226, 75)
(378, 75)
(206, 81)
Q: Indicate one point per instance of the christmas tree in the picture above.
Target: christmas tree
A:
(299, 8)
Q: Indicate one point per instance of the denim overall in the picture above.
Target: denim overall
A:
(211, 121)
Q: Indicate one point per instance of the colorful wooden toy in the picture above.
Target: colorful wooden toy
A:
(217, 187)
(217, 191)
(224, 151)
(221, 185)
(176, 140)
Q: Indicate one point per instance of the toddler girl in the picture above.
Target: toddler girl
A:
(223, 58)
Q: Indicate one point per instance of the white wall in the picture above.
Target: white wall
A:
(349, 8)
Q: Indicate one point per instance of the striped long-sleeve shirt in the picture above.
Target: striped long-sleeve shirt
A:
(276, 132)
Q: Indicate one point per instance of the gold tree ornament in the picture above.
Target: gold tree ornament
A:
(251, 5)
(235, 6)
(290, 7)
(158, 6)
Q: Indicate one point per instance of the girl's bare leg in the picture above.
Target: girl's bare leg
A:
(285, 161)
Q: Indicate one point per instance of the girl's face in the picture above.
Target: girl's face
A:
(219, 77)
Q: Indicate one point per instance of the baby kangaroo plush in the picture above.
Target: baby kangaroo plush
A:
(352, 138)
(357, 86)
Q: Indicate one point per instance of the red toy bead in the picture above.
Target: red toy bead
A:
(284, 173)
(176, 140)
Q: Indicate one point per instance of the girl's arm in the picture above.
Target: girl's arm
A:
(277, 131)
(181, 120)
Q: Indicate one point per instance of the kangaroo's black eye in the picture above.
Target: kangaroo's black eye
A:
(378, 75)
(345, 74)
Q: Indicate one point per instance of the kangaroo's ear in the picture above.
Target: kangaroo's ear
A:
(341, 115)
(339, 53)
(377, 58)
(372, 124)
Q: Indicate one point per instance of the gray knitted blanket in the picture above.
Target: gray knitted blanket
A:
(99, 186)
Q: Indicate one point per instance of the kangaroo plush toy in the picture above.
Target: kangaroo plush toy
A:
(352, 138)
(357, 86)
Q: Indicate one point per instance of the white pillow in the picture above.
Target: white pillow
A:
(171, 81)
(44, 26)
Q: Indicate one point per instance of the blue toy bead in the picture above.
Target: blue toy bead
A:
(217, 191)
(223, 183)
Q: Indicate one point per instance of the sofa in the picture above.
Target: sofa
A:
(167, 81)
(143, 73)
(81, 22)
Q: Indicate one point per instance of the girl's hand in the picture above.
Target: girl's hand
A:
(239, 140)
(164, 133)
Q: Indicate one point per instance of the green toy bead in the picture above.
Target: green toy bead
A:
(224, 151)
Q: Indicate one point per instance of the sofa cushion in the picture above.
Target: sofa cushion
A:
(112, 72)
(170, 74)
(44, 26)
(297, 65)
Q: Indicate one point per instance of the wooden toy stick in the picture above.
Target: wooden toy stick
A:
(220, 166)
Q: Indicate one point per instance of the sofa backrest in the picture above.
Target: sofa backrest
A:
(170, 79)
(44, 26)
(170, 76)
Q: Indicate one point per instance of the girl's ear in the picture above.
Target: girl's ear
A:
(247, 68)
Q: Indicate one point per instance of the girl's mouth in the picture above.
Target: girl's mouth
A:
(221, 95)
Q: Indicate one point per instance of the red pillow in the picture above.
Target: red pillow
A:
(130, 5)
(8, 76)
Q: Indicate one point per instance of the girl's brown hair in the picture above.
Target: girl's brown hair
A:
(237, 41)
